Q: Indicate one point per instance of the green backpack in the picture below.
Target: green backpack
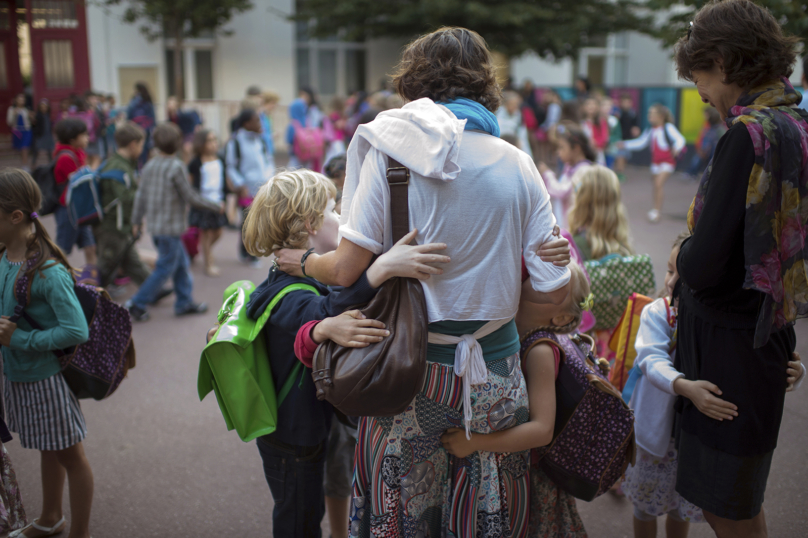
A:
(235, 365)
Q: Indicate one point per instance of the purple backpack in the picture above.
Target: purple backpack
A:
(593, 441)
(95, 368)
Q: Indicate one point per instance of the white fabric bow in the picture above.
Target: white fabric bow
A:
(469, 363)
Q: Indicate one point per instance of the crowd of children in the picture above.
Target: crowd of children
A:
(609, 134)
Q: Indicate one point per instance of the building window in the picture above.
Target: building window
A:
(58, 60)
(203, 63)
(606, 61)
(354, 70)
(54, 14)
(328, 65)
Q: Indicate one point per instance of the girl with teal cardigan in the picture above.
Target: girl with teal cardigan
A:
(40, 406)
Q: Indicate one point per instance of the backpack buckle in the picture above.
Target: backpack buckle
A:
(398, 176)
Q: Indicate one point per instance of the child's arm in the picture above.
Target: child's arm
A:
(537, 432)
(555, 188)
(796, 373)
(636, 144)
(678, 139)
(349, 329)
(187, 192)
(72, 330)
(138, 210)
(236, 178)
(653, 345)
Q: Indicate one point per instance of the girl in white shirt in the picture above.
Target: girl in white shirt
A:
(207, 173)
(666, 144)
(650, 483)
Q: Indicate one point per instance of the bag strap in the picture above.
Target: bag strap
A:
(260, 322)
(297, 371)
(398, 178)
(22, 292)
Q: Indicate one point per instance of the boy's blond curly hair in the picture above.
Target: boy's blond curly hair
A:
(277, 217)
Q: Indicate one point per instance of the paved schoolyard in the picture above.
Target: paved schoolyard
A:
(165, 465)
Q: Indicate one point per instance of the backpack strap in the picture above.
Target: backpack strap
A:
(398, 179)
(22, 292)
(298, 370)
(66, 152)
(558, 353)
(260, 322)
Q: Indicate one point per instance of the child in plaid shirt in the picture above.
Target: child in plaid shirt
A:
(163, 198)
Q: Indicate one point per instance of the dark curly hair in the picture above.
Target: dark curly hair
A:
(447, 64)
(744, 36)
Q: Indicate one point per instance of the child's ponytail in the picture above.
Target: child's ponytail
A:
(21, 193)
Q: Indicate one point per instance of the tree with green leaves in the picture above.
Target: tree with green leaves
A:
(551, 28)
(791, 14)
(180, 19)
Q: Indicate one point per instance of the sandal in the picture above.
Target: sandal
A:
(47, 531)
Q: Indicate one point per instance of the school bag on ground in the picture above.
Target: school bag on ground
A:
(95, 368)
(309, 143)
(613, 279)
(593, 440)
(623, 338)
(235, 365)
(83, 198)
(51, 192)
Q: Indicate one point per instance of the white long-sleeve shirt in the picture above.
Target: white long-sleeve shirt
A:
(657, 135)
(475, 192)
(653, 395)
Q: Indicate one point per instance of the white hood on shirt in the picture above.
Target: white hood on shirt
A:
(423, 136)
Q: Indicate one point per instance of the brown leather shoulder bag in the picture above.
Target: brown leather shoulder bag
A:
(381, 379)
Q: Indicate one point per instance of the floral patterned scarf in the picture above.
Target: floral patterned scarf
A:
(775, 252)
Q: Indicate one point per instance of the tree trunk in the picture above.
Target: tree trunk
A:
(179, 90)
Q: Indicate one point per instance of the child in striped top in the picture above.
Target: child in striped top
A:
(41, 407)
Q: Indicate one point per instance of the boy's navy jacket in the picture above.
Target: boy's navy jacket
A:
(303, 420)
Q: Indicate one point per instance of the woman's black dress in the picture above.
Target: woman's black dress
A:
(724, 465)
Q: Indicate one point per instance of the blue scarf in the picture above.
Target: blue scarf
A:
(478, 117)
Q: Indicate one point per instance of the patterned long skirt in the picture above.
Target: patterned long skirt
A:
(406, 485)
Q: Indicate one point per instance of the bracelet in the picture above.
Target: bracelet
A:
(303, 261)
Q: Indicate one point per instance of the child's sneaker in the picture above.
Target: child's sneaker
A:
(193, 308)
(653, 216)
(137, 313)
(165, 292)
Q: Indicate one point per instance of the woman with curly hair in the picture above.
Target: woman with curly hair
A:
(485, 200)
(743, 270)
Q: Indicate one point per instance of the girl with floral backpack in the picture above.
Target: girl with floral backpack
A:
(552, 510)
(40, 406)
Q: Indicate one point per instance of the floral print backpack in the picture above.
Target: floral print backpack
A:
(593, 441)
(95, 368)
